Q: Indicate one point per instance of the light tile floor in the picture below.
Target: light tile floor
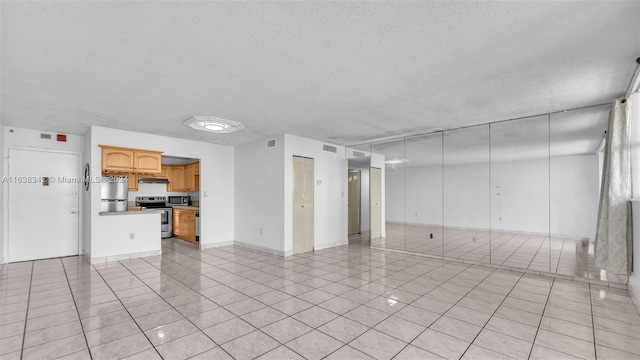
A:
(348, 302)
(550, 254)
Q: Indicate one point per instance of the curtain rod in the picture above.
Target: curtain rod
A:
(432, 131)
(633, 84)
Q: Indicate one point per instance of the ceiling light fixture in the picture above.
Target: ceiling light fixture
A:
(213, 124)
(396, 161)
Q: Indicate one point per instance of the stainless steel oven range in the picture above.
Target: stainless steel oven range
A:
(158, 203)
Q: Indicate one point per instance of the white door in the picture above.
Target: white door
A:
(303, 222)
(43, 210)
(354, 202)
(376, 203)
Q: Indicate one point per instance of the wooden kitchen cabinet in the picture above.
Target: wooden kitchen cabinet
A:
(183, 178)
(176, 180)
(189, 178)
(149, 162)
(163, 174)
(184, 224)
(118, 159)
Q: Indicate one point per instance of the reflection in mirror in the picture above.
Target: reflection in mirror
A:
(391, 194)
(577, 141)
(423, 188)
(358, 175)
(520, 194)
(466, 194)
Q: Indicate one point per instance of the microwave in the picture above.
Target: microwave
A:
(179, 200)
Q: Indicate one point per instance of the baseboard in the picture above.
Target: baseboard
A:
(107, 259)
(634, 297)
(262, 249)
(216, 245)
(330, 245)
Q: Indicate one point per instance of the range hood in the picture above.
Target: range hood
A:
(153, 181)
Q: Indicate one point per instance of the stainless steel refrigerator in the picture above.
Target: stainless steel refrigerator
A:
(114, 192)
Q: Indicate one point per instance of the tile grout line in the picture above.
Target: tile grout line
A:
(287, 315)
(335, 296)
(26, 315)
(593, 324)
(127, 310)
(185, 317)
(441, 315)
(541, 318)
(491, 317)
(568, 335)
(392, 314)
(84, 334)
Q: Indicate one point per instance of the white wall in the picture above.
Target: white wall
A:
(259, 194)
(86, 195)
(2, 162)
(634, 115)
(575, 195)
(466, 196)
(523, 203)
(364, 197)
(16, 137)
(424, 205)
(377, 161)
(216, 186)
(330, 197)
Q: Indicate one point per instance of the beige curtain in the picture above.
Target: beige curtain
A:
(613, 248)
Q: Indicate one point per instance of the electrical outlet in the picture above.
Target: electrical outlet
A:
(132, 236)
(260, 231)
(500, 218)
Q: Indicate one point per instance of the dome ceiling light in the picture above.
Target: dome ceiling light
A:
(213, 124)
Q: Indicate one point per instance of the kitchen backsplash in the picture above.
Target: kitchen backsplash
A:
(159, 190)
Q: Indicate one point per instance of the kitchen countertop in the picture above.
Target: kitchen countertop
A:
(186, 207)
(131, 211)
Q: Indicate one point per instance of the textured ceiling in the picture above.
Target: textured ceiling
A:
(343, 72)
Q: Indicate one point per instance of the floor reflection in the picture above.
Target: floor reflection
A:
(537, 252)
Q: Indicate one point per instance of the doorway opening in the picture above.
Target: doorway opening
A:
(303, 204)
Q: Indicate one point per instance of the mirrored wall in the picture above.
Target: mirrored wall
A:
(519, 194)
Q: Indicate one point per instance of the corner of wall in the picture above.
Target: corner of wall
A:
(2, 197)
(86, 196)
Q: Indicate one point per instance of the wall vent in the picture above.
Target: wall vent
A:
(330, 148)
(271, 143)
(358, 154)
(45, 136)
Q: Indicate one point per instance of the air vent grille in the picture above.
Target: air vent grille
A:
(45, 136)
(271, 143)
(330, 148)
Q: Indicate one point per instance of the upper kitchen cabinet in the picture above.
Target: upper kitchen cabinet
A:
(190, 177)
(183, 177)
(176, 180)
(149, 162)
(117, 159)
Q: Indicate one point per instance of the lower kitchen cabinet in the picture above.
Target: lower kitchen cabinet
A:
(184, 224)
